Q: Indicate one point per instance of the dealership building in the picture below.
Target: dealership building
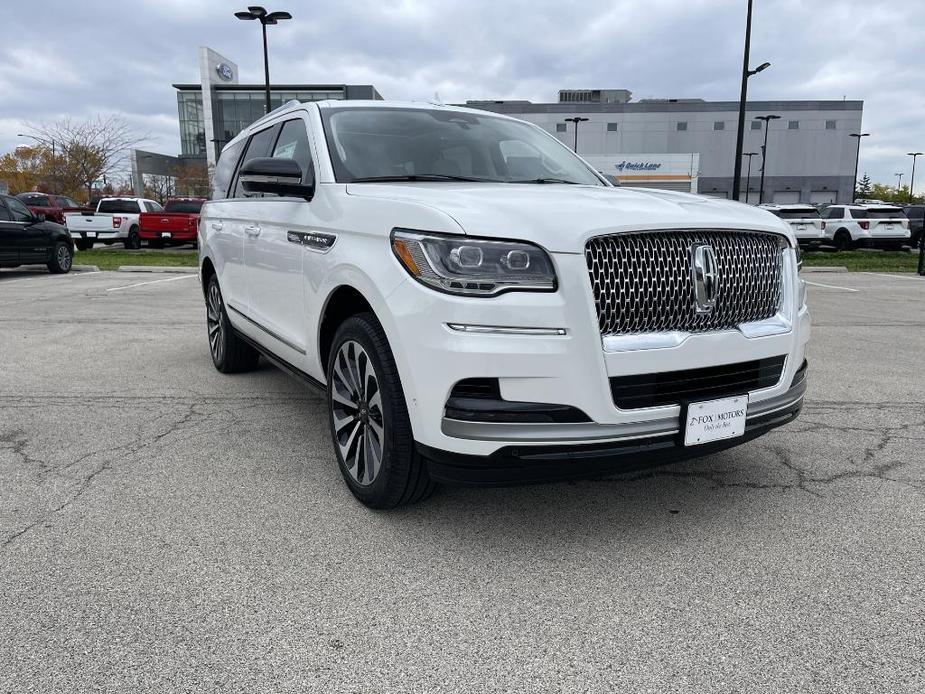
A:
(689, 144)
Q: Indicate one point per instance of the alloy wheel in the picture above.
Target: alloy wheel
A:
(64, 258)
(214, 323)
(356, 406)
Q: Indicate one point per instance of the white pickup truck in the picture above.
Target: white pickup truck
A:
(115, 219)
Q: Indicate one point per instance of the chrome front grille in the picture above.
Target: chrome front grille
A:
(643, 281)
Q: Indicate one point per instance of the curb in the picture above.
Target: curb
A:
(84, 268)
(825, 268)
(159, 268)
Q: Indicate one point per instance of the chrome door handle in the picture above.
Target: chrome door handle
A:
(252, 230)
(217, 226)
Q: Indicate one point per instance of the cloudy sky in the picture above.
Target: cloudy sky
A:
(121, 56)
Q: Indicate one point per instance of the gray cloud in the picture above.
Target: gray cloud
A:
(121, 57)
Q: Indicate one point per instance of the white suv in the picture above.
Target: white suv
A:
(870, 226)
(805, 221)
(482, 307)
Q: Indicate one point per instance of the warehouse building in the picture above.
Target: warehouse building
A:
(689, 144)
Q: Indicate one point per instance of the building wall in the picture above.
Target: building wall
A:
(812, 158)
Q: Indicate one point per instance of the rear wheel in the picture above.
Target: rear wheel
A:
(61, 258)
(369, 419)
(843, 240)
(133, 240)
(230, 353)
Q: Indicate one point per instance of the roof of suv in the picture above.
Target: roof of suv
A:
(787, 206)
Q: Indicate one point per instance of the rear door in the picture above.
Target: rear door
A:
(9, 244)
(32, 238)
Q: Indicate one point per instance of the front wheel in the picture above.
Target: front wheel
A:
(61, 258)
(369, 419)
(133, 240)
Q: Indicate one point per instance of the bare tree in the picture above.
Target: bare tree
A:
(91, 148)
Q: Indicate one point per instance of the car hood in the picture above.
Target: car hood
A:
(561, 217)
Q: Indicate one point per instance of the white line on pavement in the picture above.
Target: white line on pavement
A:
(896, 276)
(831, 286)
(142, 284)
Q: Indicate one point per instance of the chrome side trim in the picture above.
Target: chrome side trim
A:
(504, 330)
(269, 332)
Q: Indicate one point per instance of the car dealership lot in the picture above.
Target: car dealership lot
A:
(164, 527)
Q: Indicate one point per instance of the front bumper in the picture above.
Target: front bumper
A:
(572, 369)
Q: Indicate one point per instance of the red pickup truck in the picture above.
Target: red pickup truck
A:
(52, 206)
(177, 224)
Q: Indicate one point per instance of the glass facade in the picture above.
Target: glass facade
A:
(233, 110)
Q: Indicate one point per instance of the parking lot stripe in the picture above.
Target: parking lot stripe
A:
(831, 286)
(914, 278)
(142, 284)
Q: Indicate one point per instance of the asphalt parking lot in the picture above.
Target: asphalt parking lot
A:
(167, 528)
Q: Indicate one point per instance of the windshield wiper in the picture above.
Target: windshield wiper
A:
(545, 180)
(419, 177)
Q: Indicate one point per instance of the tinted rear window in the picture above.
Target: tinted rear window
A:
(886, 213)
(37, 200)
(808, 213)
(187, 206)
(123, 206)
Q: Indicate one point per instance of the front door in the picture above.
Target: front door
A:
(32, 239)
(9, 237)
(274, 252)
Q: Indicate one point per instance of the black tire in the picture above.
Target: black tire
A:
(230, 353)
(401, 477)
(843, 240)
(83, 245)
(133, 240)
(62, 256)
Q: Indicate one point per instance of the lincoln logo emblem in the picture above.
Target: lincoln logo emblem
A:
(705, 275)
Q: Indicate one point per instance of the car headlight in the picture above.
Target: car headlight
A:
(473, 266)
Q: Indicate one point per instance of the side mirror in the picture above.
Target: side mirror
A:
(276, 176)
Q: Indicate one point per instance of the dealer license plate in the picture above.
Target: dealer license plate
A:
(715, 420)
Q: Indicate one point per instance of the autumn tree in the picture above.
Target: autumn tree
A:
(89, 148)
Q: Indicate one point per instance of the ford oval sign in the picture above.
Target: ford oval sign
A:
(224, 71)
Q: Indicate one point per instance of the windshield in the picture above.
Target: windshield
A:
(368, 144)
(885, 213)
(808, 213)
(187, 206)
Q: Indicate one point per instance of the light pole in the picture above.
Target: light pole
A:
(54, 158)
(740, 132)
(764, 152)
(857, 158)
(899, 182)
(912, 180)
(257, 12)
(576, 120)
(748, 176)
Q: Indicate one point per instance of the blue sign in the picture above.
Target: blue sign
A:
(224, 71)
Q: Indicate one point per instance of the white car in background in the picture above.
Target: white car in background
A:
(115, 219)
(869, 226)
(804, 220)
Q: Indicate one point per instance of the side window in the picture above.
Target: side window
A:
(833, 213)
(224, 170)
(19, 211)
(153, 206)
(4, 213)
(259, 145)
(293, 144)
(859, 214)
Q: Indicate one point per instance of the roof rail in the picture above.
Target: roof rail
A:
(287, 105)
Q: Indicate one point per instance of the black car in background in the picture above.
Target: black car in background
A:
(27, 239)
(916, 215)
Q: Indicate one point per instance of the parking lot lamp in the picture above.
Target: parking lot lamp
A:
(748, 176)
(912, 180)
(764, 152)
(576, 120)
(857, 158)
(740, 132)
(266, 18)
(899, 182)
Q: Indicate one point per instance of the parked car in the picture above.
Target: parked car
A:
(916, 215)
(869, 226)
(481, 306)
(115, 219)
(27, 238)
(805, 221)
(53, 207)
(178, 223)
